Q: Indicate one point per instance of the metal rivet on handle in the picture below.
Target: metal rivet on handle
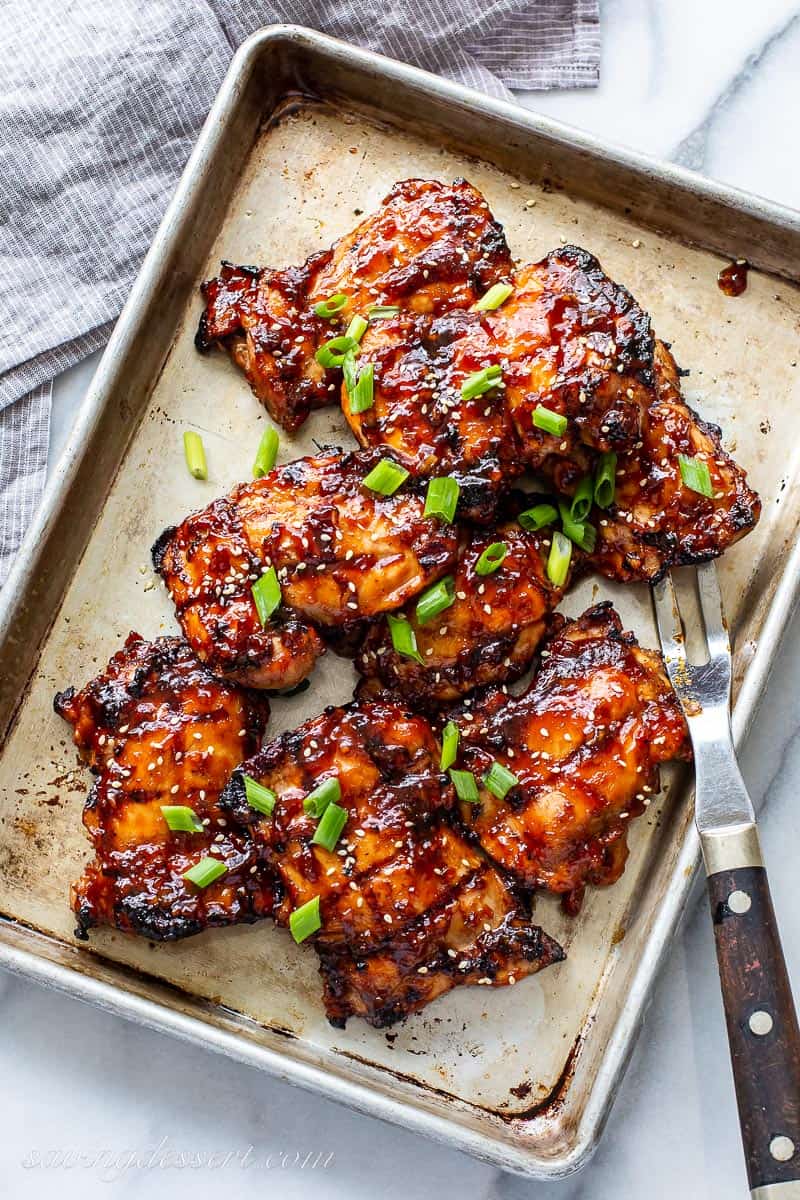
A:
(739, 902)
(760, 1023)
(781, 1148)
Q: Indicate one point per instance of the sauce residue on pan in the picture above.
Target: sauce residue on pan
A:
(732, 280)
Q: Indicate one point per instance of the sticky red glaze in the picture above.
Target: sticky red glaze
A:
(158, 729)
(732, 280)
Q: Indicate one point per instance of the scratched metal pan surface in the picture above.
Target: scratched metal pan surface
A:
(306, 134)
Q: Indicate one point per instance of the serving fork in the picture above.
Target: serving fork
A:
(762, 1024)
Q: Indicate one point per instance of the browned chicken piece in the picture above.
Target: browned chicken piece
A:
(490, 632)
(656, 521)
(408, 909)
(583, 745)
(430, 248)
(159, 730)
(342, 553)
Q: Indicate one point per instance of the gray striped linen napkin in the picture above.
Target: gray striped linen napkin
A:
(100, 104)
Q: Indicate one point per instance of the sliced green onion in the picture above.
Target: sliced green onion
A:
(305, 920)
(386, 477)
(330, 828)
(205, 872)
(549, 421)
(496, 295)
(436, 599)
(499, 780)
(404, 639)
(538, 516)
(330, 307)
(357, 328)
(558, 559)
(441, 498)
(195, 454)
(267, 594)
(267, 453)
(332, 353)
(491, 558)
(181, 818)
(450, 737)
(350, 371)
(362, 395)
(580, 532)
(581, 504)
(465, 785)
(378, 312)
(481, 382)
(696, 475)
(329, 791)
(259, 797)
(605, 481)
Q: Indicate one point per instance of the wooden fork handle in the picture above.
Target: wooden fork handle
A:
(762, 1029)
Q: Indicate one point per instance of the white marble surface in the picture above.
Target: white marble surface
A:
(716, 86)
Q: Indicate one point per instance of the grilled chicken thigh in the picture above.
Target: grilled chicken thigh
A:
(159, 730)
(490, 632)
(342, 552)
(583, 745)
(430, 248)
(408, 909)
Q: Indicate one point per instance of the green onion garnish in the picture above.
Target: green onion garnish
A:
(465, 785)
(696, 475)
(267, 594)
(195, 454)
(499, 780)
(581, 504)
(350, 371)
(441, 498)
(315, 803)
(481, 382)
(386, 477)
(450, 736)
(558, 559)
(362, 395)
(205, 872)
(436, 599)
(549, 421)
(491, 558)
(605, 480)
(181, 818)
(496, 295)
(580, 532)
(305, 920)
(331, 353)
(357, 328)
(404, 639)
(259, 797)
(538, 516)
(330, 828)
(377, 312)
(267, 453)
(330, 307)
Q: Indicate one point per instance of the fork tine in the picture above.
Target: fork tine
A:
(668, 617)
(712, 610)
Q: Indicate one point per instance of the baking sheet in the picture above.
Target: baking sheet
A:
(516, 1068)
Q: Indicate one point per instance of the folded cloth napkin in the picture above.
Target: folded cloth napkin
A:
(101, 103)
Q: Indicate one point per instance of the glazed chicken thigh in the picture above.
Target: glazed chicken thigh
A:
(160, 732)
(407, 909)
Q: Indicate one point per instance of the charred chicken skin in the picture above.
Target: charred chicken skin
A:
(489, 634)
(656, 520)
(342, 553)
(583, 744)
(408, 908)
(158, 730)
(430, 248)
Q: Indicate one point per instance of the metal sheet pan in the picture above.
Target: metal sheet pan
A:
(305, 132)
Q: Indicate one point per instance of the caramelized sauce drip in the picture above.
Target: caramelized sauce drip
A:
(732, 280)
